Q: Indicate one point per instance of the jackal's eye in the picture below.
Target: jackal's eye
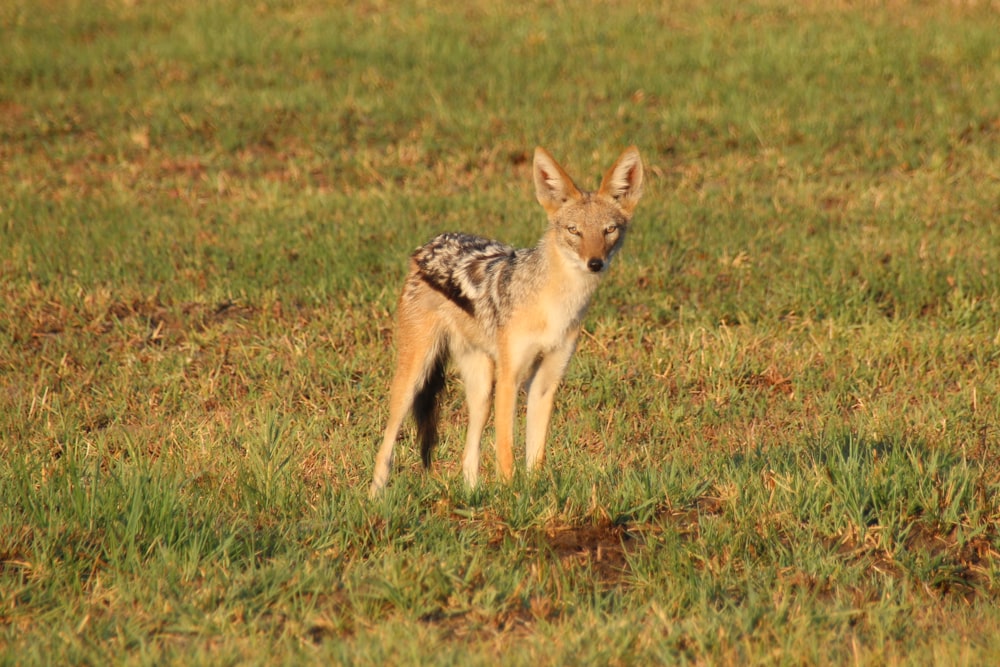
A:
(610, 229)
(573, 230)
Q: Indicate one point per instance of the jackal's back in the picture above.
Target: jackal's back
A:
(473, 273)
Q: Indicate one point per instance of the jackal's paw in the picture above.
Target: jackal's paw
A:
(375, 490)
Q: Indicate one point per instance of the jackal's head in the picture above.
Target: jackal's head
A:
(589, 227)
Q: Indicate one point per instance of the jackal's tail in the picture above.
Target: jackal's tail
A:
(426, 408)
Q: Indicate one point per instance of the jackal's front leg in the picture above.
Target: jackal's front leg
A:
(506, 409)
(541, 394)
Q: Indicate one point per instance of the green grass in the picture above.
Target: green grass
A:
(778, 442)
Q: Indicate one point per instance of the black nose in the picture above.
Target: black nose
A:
(595, 264)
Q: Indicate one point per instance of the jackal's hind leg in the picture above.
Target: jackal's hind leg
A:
(418, 349)
(476, 369)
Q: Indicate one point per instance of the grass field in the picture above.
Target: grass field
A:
(779, 440)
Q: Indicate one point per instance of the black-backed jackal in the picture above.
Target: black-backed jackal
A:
(505, 314)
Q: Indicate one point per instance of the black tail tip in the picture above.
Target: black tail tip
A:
(425, 410)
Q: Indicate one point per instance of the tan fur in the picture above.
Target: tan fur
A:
(507, 316)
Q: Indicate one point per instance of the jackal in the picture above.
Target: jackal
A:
(505, 314)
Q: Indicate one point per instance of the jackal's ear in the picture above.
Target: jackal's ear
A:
(623, 182)
(553, 186)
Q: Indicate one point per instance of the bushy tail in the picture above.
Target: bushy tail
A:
(426, 407)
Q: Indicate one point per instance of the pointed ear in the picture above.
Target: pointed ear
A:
(553, 186)
(623, 182)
